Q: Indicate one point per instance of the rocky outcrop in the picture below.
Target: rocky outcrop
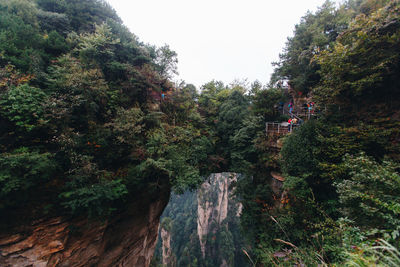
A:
(128, 239)
(166, 246)
(214, 199)
(280, 195)
(168, 258)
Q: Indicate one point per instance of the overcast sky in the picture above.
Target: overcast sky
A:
(217, 39)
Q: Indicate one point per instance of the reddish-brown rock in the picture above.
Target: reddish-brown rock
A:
(128, 239)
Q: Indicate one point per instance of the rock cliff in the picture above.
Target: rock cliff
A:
(203, 228)
(214, 199)
(127, 239)
(168, 259)
(166, 246)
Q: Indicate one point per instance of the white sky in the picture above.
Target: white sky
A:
(217, 39)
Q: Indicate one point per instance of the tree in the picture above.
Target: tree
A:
(313, 34)
(361, 68)
(370, 195)
(266, 103)
(23, 106)
(166, 62)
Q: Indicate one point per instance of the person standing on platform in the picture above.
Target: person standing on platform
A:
(290, 107)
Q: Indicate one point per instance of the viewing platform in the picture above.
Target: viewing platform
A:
(279, 128)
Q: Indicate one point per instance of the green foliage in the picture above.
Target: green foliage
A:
(55, 44)
(355, 81)
(82, 14)
(314, 33)
(128, 125)
(212, 94)
(77, 90)
(84, 130)
(298, 151)
(97, 48)
(166, 223)
(23, 106)
(93, 199)
(244, 152)
(83, 89)
(23, 173)
(370, 196)
(266, 103)
(166, 61)
(54, 21)
(380, 254)
(179, 215)
(20, 39)
(231, 114)
(362, 62)
(224, 108)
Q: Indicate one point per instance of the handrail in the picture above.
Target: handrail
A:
(278, 128)
(307, 113)
(292, 114)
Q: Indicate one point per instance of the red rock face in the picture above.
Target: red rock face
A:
(128, 239)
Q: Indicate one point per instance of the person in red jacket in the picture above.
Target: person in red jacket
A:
(290, 124)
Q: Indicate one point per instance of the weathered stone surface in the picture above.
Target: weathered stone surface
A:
(166, 246)
(168, 258)
(281, 195)
(214, 198)
(128, 239)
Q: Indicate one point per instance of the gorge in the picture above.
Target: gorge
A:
(97, 141)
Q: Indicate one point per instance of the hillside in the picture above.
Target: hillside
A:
(95, 135)
(87, 134)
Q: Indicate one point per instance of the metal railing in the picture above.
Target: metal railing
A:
(277, 128)
(296, 114)
(300, 115)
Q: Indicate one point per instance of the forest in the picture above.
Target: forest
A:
(91, 120)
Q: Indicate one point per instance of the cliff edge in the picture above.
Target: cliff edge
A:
(127, 239)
